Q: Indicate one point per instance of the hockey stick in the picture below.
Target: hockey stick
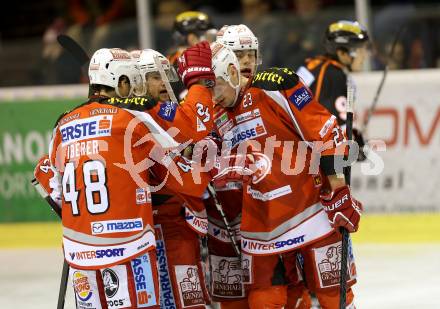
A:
(65, 271)
(225, 220)
(382, 81)
(210, 187)
(73, 48)
(347, 172)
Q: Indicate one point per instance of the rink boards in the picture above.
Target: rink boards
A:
(391, 229)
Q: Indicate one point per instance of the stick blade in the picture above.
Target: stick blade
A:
(73, 48)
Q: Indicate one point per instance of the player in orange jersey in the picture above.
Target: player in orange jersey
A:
(227, 276)
(179, 224)
(283, 210)
(98, 157)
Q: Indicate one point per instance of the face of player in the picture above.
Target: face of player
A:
(354, 59)
(248, 61)
(156, 87)
(358, 61)
(124, 87)
(224, 93)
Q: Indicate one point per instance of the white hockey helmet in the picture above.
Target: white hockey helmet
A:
(222, 58)
(107, 65)
(147, 61)
(239, 37)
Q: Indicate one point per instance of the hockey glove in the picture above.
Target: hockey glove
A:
(342, 209)
(46, 184)
(42, 176)
(195, 64)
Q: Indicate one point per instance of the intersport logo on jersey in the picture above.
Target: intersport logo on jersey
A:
(81, 129)
(259, 247)
(116, 226)
(97, 254)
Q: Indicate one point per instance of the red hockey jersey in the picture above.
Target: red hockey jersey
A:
(280, 120)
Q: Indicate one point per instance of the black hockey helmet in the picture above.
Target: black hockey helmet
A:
(192, 22)
(344, 34)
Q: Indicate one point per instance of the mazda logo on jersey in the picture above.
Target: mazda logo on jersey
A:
(97, 228)
(117, 226)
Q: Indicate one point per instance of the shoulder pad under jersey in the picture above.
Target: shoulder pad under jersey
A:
(71, 111)
(60, 117)
(135, 103)
(275, 79)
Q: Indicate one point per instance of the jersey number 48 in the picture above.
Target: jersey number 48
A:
(95, 187)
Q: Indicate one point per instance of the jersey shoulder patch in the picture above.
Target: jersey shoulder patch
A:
(275, 79)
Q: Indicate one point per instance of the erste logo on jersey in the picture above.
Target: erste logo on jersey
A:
(245, 131)
(91, 127)
(144, 283)
(300, 98)
(117, 226)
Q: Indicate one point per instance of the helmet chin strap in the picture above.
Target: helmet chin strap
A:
(236, 87)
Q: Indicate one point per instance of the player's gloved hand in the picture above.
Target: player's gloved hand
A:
(359, 139)
(47, 184)
(42, 175)
(342, 209)
(195, 64)
(237, 168)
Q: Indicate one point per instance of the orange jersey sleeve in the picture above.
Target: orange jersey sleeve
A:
(192, 118)
(310, 120)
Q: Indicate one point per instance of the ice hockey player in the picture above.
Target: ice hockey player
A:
(283, 212)
(190, 28)
(346, 45)
(242, 41)
(97, 174)
(227, 277)
(178, 223)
